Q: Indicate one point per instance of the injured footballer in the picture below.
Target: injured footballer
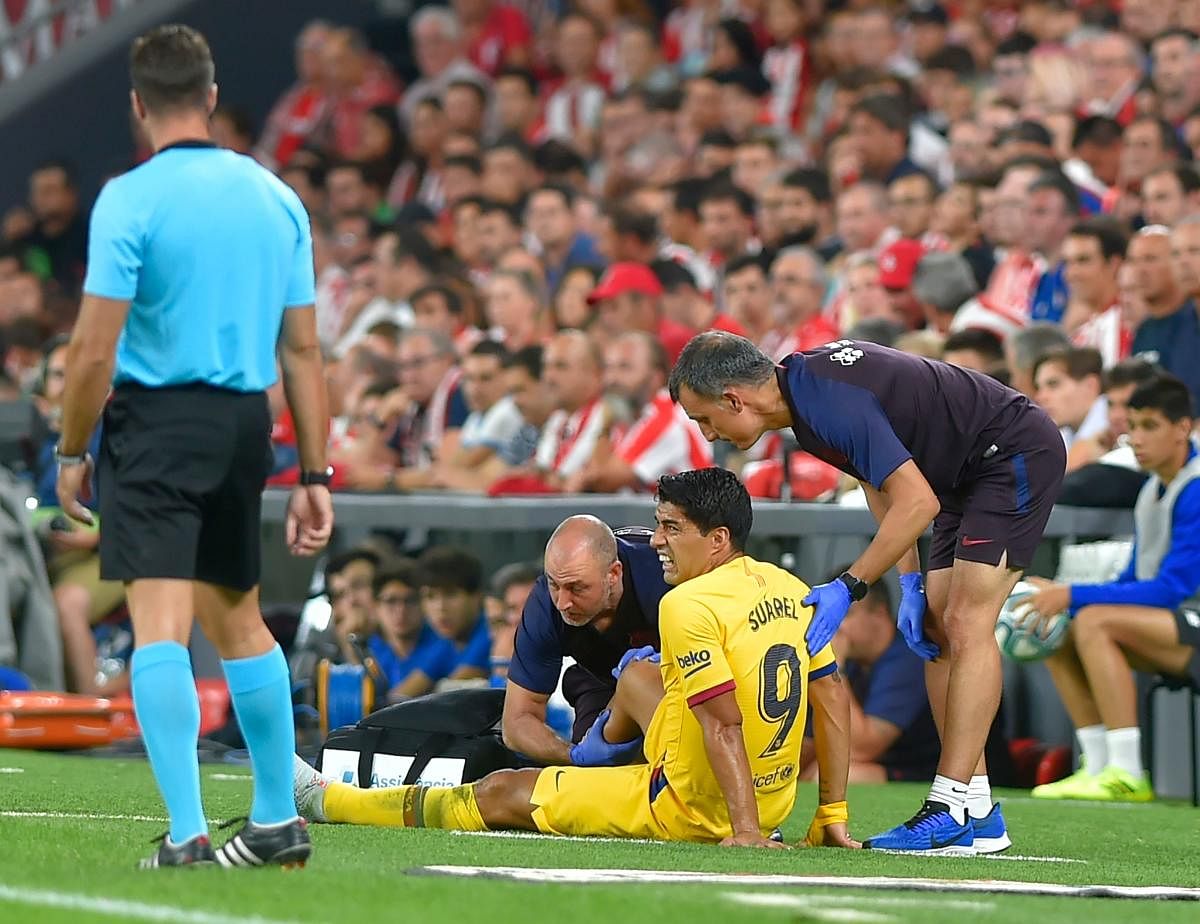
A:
(723, 714)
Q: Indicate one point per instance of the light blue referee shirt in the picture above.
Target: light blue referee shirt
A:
(210, 248)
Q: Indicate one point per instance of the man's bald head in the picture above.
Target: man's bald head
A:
(583, 573)
(583, 535)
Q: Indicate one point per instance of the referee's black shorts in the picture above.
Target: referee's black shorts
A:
(180, 480)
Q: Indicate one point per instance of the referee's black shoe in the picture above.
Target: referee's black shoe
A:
(195, 851)
(285, 845)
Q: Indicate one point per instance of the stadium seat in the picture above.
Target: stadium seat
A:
(1054, 765)
(1174, 685)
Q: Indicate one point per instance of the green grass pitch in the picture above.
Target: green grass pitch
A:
(72, 828)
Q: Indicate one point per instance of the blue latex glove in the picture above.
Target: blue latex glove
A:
(645, 653)
(594, 751)
(910, 618)
(832, 602)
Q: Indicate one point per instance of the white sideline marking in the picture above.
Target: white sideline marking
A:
(12, 769)
(790, 900)
(912, 884)
(812, 907)
(93, 816)
(536, 836)
(120, 908)
(976, 856)
(232, 777)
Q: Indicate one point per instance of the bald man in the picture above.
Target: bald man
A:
(597, 599)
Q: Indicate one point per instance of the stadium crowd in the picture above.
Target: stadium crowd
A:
(512, 249)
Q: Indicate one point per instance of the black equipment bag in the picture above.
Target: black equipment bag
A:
(442, 739)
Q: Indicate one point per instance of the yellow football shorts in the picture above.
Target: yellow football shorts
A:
(634, 802)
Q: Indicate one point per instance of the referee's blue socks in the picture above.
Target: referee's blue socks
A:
(262, 698)
(168, 711)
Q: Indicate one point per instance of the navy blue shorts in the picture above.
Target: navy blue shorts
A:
(1004, 508)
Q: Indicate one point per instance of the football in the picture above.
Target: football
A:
(1019, 643)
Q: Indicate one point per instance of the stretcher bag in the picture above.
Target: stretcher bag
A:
(442, 739)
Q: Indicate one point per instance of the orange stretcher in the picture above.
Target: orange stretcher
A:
(37, 720)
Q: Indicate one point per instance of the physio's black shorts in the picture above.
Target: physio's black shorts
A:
(1005, 506)
(588, 695)
(180, 478)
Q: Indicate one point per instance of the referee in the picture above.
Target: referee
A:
(199, 273)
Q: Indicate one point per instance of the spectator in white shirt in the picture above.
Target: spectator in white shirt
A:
(662, 440)
(1069, 386)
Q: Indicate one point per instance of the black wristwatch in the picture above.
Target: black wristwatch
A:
(858, 589)
(321, 478)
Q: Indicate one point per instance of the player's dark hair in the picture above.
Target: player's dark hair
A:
(1132, 371)
(171, 67)
(1078, 362)
(1163, 393)
(446, 567)
(984, 342)
(343, 560)
(528, 358)
(402, 571)
(714, 360)
(711, 498)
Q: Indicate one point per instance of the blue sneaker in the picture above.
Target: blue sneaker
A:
(991, 833)
(932, 831)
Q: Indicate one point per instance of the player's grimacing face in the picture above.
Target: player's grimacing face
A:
(725, 418)
(682, 549)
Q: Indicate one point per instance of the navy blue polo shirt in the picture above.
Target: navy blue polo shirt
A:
(543, 639)
(209, 248)
(867, 409)
(1174, 343)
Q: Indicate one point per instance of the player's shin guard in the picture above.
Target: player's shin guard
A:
(168, 711)
(452, 809)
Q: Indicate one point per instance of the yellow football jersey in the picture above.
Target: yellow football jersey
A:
(738, 628)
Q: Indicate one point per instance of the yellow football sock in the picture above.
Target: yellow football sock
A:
(453, 809)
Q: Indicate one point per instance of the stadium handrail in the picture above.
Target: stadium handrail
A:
(472, 513)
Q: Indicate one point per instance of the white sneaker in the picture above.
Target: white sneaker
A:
(309, 787)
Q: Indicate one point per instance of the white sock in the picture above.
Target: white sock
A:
(979, 797)
(952, 794)
(1125, 749)
(1093, 747)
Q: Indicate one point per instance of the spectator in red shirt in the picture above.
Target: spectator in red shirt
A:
(684, 303)
(356, 80)
(661, 440)
(798, 282)
(496, 35)
(629, 297)
(297, 115)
